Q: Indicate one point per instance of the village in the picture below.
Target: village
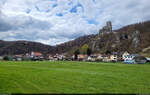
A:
(114, 57)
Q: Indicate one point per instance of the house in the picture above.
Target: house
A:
(50, 57)
(148, 59)
(1, 57)
(99, 57)
(61, 57)
(106, 58)
(27, 57)
(37, 56)
(135, 59)
(18, 57)
(57, 57)
(114, 57)
(91, 58)
(82, 57)
(124, 55)
(94, 57)
(129, 59)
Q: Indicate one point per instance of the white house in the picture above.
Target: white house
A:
(129, 59)
(124, 55)
(148, 59)
(61, 57)
(1, 57)
(94, 57)
(106, 58)
(135, 59)
(91, 58)
(114, 58)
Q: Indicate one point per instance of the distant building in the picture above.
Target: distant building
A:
(129, 59)
(99, 57)
(114, 58)
(148, 59)
(82, 57)
(124, 55)
(94, 57)
(50, 57)
(135, 59)
(37, 56)
(106, 58)
(27, 57)
(18, 57)
(1, 57)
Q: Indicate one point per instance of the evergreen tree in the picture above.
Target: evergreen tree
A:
(76, 53)
(89, 51)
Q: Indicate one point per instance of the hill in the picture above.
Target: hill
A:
(22, 47)
(74, 44)
(133, 38)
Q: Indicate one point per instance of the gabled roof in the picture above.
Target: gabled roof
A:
(121, 53)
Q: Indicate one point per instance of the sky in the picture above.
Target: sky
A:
(57, 21)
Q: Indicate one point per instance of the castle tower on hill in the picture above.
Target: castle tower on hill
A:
(109, 26)
(106, 29)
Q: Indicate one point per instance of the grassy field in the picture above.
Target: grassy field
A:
(73, 77)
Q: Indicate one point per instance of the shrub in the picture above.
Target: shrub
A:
(6, 58)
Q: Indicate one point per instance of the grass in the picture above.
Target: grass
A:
(73, 77)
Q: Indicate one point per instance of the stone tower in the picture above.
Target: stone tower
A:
(106, 29)
(109, 26)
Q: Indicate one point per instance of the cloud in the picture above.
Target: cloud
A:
(56, 21)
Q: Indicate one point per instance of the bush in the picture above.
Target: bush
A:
(6, 58)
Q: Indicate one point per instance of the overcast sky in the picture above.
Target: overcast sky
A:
(56, 21)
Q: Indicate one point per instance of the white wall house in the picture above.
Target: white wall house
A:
(124, 55)
(113, 57)
(148, 59)
(129, 59)
(1, 57)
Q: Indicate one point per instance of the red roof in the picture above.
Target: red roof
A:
(37, 54)
(82, 56)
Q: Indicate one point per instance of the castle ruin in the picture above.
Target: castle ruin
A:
(106, 29)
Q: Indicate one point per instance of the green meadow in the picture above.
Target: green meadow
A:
(73, 77)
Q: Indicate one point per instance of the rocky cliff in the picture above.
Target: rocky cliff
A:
(133, 38)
